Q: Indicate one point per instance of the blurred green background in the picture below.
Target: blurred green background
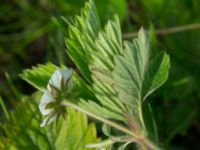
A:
(33, 32)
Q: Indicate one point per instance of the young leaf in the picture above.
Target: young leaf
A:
(39, 76)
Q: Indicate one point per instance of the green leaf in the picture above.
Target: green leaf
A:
(84, 29)
(74, 132)
(156, 74)
(136, 75)
(39, 76)
(118, 73)
(92, 51)
(24, 132)
(99, 110)
(107, 44)
(130, 70)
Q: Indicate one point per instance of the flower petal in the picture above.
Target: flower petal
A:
(46, 99)
(56, 79)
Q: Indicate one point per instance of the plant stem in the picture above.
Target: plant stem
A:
(141, 117)
(136, 137)
(108, 122)
(165, 31)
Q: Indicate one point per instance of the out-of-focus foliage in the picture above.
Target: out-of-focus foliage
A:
(22, 130)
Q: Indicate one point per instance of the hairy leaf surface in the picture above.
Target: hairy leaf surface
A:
(93, 50)
(121, 75)
(137, 74)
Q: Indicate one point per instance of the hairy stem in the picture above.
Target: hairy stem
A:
(140, 139)
(106, 121)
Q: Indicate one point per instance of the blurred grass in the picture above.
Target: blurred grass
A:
(33, 32)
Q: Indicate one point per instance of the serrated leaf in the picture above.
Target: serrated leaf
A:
(108, 44)
(156, 74)
(118, 73)
(136, 75)
(131, 68)
(93, 52)
(99, 110)
(84, 29)
(39, 76)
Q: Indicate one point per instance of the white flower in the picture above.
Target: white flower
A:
(60, 84)
(46, 99)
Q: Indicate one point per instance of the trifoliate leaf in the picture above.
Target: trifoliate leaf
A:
(119, 74)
